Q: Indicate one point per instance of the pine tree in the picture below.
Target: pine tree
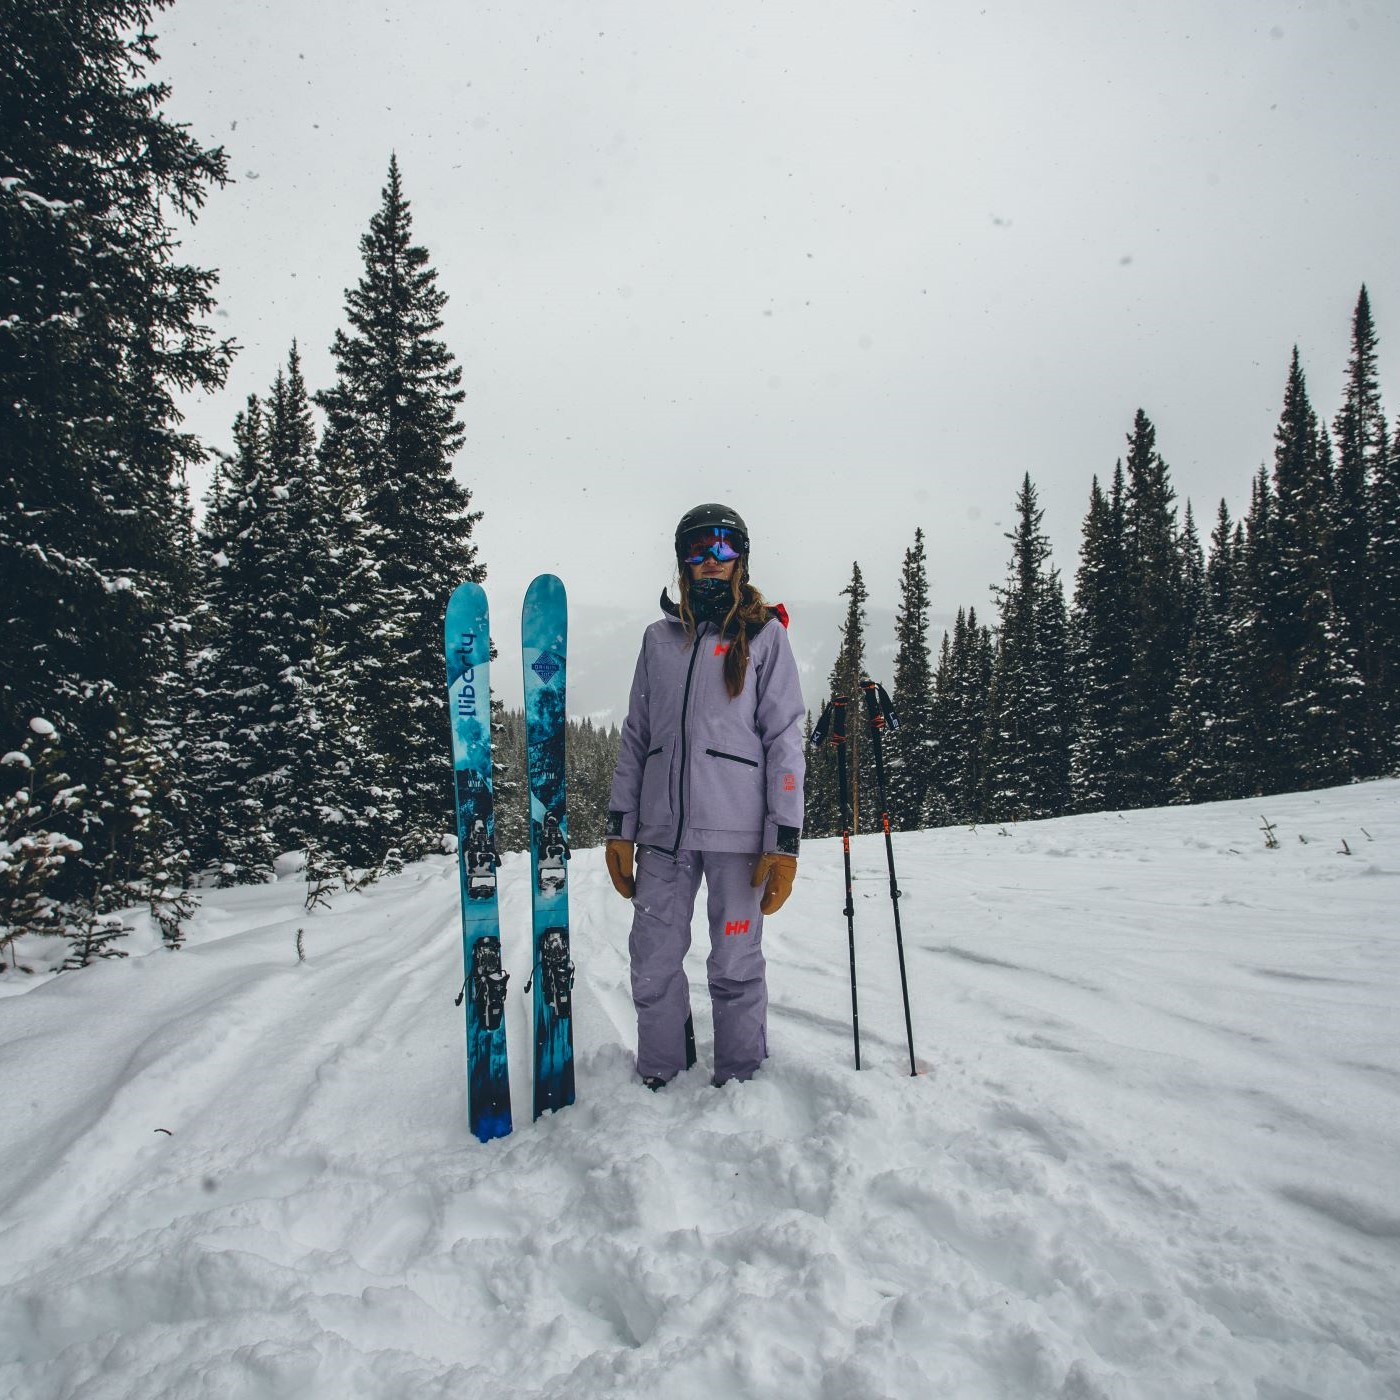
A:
(510, 785)
(1383, 615)
(1321, 716)
(1200, 719)
(1100, 654)
(592, 756)
(910, 779)
(171, 729)
(977, 669)
(821, 794)
(349, 805)
(1152, 583)
(1193, 570)
(962, 697)
(1205, 710)
(36, 796)
(328, 791)
(393, 414)
(1303, 520)
(234, 692)
(846, 676)
(1028, 739)
(1320, 690)
(1260, 665)
(1360, 432)
(943, 756)
(287, 644)
(101, 327)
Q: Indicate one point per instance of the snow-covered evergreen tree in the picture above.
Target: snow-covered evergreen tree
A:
(1382, 661)
(909, 753)
(1260, 664)
(1322, 715)
(36, 801)
(1201, 718)
(821, 794)
(234, 690)
(1318, 687)
(939, 801)
(1193, 569)
(392, 414)
(1304, 528)
(962, 696)
(1028, 738)
(328, 790)
(1152, 584)
(1383, 614)
(1100, 654)
(102, 327)
(1360, 433)
(346, 804)
(1206, 711)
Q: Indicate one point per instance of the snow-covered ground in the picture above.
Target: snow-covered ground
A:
(1154, 1150)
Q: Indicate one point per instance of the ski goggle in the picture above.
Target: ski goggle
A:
(721, 545)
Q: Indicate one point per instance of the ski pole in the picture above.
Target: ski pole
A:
(880, 713)
(834, 716)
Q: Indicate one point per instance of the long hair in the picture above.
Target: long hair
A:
(747, 605)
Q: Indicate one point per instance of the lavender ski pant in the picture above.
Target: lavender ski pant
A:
(662, 906)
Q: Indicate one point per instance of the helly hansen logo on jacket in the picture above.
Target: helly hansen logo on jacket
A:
(736, 926)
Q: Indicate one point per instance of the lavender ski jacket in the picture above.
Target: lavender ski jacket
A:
(697, 770)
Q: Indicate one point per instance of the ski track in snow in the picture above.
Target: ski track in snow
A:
(1153, 1149)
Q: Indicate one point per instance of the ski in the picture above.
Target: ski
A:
(544, 646)
(467, 631)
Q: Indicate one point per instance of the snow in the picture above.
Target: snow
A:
(1152, 1152)
(42, 727)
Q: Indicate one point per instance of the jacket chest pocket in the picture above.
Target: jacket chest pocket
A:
(655, 803)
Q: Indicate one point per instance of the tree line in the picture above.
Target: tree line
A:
(186, 695)
(1266, 660)
(182, 698)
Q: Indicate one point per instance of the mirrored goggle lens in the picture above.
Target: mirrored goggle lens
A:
(712, 544)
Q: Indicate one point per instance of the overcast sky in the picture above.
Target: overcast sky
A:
(851, 268)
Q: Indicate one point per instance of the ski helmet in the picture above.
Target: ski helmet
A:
(712, 516)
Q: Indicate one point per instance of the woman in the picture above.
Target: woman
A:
(708, 782)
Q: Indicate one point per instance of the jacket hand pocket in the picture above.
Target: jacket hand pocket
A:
(728, 790)
(656, 784)
(733, 758)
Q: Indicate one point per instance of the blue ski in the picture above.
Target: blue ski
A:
(468, 647)
(544, 643)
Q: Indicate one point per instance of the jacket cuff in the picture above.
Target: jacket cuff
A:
(622, 826)
(783, 839)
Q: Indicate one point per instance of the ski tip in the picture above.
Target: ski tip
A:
(545, 584)
(465, 598)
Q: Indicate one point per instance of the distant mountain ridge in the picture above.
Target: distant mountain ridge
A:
(603, 645)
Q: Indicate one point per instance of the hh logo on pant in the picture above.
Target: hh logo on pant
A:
(736, 926)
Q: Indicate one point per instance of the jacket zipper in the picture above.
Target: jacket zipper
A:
(685, 705)
(732, 757)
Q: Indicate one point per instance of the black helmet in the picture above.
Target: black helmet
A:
(711, 517)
